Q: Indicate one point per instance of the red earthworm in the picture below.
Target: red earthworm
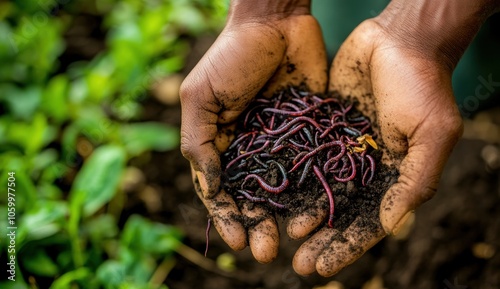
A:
(250, 143)
(263, 100)
(324, 120)
(372, 170)
(290, 105)
(308, 135)
(352, 131)
(300, 101)
(241, 138)
(317, 99)
(207, 235)
(277, 205)
(287, 135)
(299, 155)
(261, 122)
(276, 105)
(245, 122)
(292, 90)
(249, 196)
(247, 154)
(326, 186)
(301, 146)
(328, 100)
(334, 126)
(290, 113)
(262, 183)
(347, 109)
(326, 166)
(305, 171)
(316, 134)
(365, 128)
(345, 139)
(358, 119)
(287, 126)
(361, 123)
(257, 160)
(319, 148)
(240, 174)
(277, 148)
(237, 176)
(265, 155)
(353, 173)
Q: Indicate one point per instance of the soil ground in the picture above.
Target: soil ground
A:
(453, 241)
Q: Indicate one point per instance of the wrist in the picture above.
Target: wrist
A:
(266, 10)
(441, 30)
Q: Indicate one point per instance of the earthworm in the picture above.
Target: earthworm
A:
(329, 193)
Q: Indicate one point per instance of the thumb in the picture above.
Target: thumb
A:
(420, 170)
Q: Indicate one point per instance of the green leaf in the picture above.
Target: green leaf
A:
(102, 227)
(141, 137)
(39, 263)
(54, 98)
(22, 103)
(18, 284)
(111, 273)
(45, 219)
(65, 281)
(97, 181)
(143, 235)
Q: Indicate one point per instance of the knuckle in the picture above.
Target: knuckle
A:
(187, 89)
(187, 145)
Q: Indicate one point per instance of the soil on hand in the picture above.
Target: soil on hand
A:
(300, 153)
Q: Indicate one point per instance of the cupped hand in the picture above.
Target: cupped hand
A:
(407, 93)
(257, 51)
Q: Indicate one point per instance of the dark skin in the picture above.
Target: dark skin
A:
(398, 65)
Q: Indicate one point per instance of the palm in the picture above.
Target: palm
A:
(246, 58)
(409, 98)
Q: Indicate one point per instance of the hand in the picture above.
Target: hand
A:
(405, 88)
(265, 45)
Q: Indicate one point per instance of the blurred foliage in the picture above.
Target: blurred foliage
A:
(78, 122)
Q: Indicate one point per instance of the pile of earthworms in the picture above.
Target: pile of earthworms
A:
(325, 139)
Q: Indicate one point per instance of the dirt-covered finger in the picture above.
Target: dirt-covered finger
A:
(263, 234)
(226, 217)
(303, 224)
(361, 235)
(304, 261)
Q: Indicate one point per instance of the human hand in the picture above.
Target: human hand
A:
(264, 45)
(401, 75)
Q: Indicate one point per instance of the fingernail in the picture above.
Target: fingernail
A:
(203, 183)
(403, 223)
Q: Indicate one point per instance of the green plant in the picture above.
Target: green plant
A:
(80, 123)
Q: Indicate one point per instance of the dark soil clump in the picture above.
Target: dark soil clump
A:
(285, 145)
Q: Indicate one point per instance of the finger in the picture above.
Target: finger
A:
(361, 235)
(305, 61)
(263, 234)
(300, 226)
(304, 261)
(225, 216)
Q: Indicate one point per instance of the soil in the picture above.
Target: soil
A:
(453, 241)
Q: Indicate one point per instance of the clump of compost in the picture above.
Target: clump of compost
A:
(293, 148)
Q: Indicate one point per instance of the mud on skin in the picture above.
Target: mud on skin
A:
(285, 145)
